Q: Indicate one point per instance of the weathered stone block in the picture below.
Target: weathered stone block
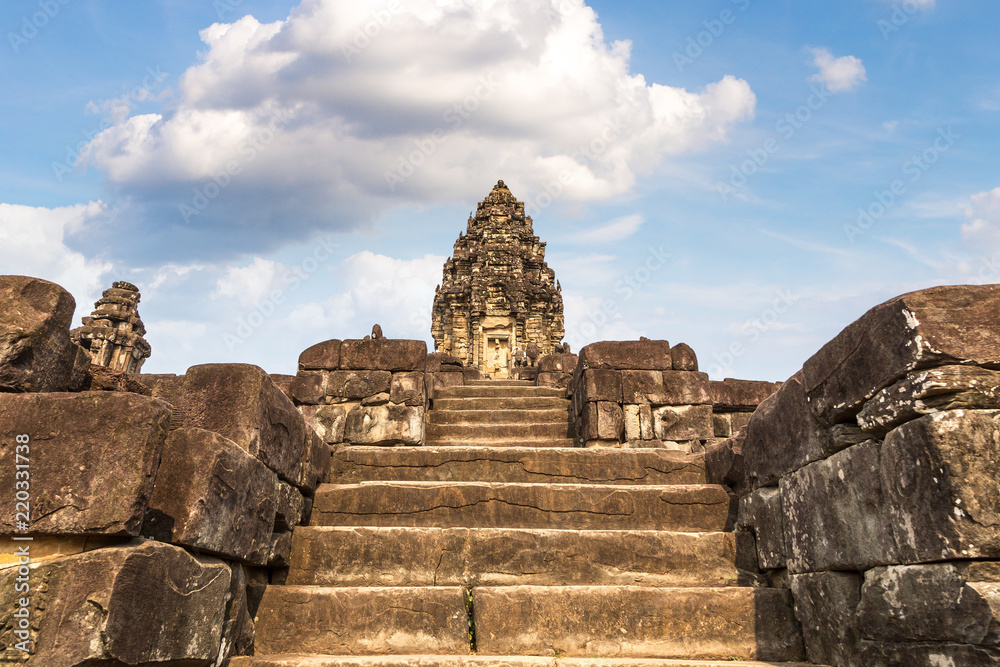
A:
(729, 423)
(280, 550)
(683, 422)
(941, 475)
(323, 356)
(238, 628)
(525, 373)
(315, 462)
(927, 655)
(638, 422)
(384, 425)
(383, 354)
(932, 327)
(826, 605)
(309, 387)
(282, 381)
(136, 605)
(761, 514)
(665, 387)
(783, 435)
(288, 507)
(601, 385)
(36, 353)
(435, 382)
(683, 357)
(212, 495)
(438, 362)
(240, 402)
(934, 603)
(559, 380)
(356, 385)
(724, 463)
(652, 355)
(602, 421)
(835, 514)
(408, 388)
(740, 395)
(93, 459)
(929, 391)
(557, 363)
(327, 420)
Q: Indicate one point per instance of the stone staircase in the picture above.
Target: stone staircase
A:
(496, 544)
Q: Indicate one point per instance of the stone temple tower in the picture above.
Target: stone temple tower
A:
(114, 332)
(498, 295)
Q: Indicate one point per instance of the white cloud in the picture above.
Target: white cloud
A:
(616, 230)
(33, 243)
(249, 285)
(312, 112)
(395, 293)
(982, 231)
(838, 74)
(919, 4)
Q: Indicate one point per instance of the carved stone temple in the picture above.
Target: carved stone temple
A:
(114, 331)
(498, 296)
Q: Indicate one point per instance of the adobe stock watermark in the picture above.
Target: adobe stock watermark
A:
(32, 24)
(248, 151)
(455, 117)
(989, 270)
(751, 331)
(224, 7)
(153, 79)
(626, 287)
(901, 14)
(786, 127)
(292, 280)
(370, 30)
(714, 29)
(914, 168)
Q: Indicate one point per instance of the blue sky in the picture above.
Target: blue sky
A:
(746, 177)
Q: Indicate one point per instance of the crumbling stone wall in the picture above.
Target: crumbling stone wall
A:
(646, 393)
(869, 484)
(155, 521)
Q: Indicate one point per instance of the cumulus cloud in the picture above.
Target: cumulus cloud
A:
(396, 293)
(982, 230)
(349, 107)
(33, 243)
(838, 74)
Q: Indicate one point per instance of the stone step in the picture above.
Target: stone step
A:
(486, 661)
(501, 431)
(575, 465)
(362, 621)
(637, 622)
(365, 556)
(500, 383)
(500, 443)
(502, 403)
(687, 508)
(500, 392)
(476, 417)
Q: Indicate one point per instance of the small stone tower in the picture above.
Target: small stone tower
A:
(114, 332)
(498, 295)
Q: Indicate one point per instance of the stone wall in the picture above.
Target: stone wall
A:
(646, 393)
(155, 520)
(869, 484)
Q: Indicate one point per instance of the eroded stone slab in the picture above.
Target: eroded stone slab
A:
(929, 391)
(212, 495)
(704, 623)
(383, 354)
(826, 605)
(92, 460)
(941, 475)
(836, 515)
(478, 504)
(362, 621)
(142, 604)
(651, 355)
(365, 556)
(36, 353)
(323, 356)
(933, 327)
(384, 425)
(761, 513)
(683, 422)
